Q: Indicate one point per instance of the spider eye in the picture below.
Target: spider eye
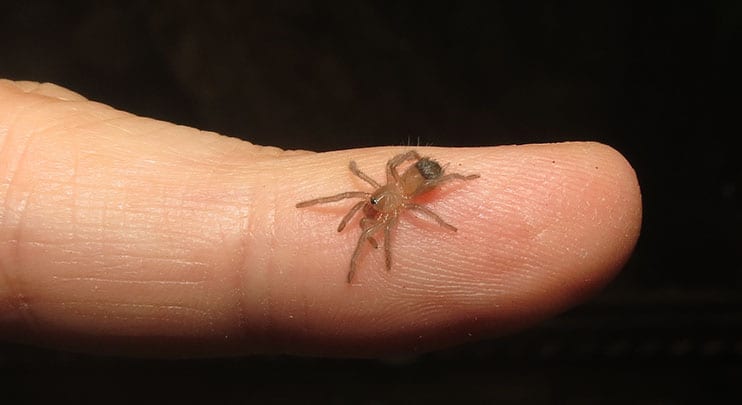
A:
(374, 201)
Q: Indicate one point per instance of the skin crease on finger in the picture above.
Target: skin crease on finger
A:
(129, 235)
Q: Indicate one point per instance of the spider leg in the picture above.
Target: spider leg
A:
(350, 214)
(391, 166)
(354, 168)
(388, 243)
(452, 176)
(365, 223)
(430, 214)
(368, 232)
(333, 198)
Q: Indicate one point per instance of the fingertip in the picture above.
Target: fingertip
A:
(590, 210)
(543, 228)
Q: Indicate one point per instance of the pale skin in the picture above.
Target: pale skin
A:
(124, 234)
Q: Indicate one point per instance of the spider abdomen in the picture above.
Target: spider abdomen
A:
(429, 168)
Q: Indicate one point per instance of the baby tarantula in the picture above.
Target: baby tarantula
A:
(382, 207)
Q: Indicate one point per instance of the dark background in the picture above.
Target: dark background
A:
(660, 83)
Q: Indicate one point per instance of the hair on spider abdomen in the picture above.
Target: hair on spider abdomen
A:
(429, 168)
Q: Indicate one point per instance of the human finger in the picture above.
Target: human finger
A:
(126, 234)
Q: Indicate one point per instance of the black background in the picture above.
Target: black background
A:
(660, 83)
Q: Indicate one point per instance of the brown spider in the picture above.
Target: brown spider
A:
(382, 207)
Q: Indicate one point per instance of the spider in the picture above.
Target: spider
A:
(382, 207)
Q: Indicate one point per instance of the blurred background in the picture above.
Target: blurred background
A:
(660, 83)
